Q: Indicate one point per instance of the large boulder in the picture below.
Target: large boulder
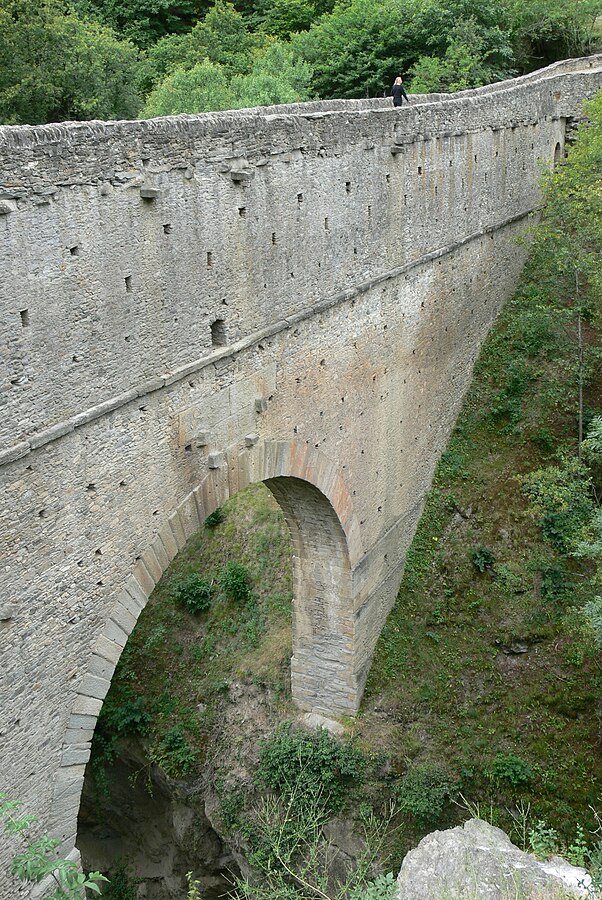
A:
(476, 861)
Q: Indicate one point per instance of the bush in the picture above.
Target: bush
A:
(482, 558)
(234, 582)
(424, 791)
(194, 593)
(310, 765)
(510, 770)
(173, 753)
(128, 717)
(215, 518)
(122, 885)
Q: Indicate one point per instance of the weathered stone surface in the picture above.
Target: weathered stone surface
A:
(356, 316)
(476, 861)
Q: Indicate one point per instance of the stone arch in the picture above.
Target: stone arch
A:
(325, 535)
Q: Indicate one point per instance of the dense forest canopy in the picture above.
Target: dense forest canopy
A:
(82, 59)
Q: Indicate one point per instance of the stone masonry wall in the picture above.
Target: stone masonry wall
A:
(189, 304)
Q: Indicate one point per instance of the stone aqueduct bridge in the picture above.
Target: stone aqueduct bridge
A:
(294, 295)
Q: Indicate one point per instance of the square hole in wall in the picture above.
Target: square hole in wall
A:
(218, 333)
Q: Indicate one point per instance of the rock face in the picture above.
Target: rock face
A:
(476, 861)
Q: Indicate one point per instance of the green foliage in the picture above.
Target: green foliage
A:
(543, 840)
(508, 769)
(382, 888)
(309, 764)
(482, 559)
(126, 718)
(560, 501)
(123, 885)
(193, 888)
(56, 66)
(423, 792)
(143, 21)
(221, 38)
(275, 77)
(203, 88)
(467, 63)
(194, 593)
(37, 860)
(215, 518)
(282, 18)
(234, 582)
(292, 856)
(173, 753)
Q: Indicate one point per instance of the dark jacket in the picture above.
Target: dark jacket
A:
(398, 93)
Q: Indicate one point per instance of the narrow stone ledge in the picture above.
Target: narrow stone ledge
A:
(150, 386)
(50, 434)
(15, 452)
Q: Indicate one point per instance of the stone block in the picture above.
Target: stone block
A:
(75, 756)
(115, 634)
(169, 542)
(94, 686)
(152, 564)
(87, 706)
(150, 193)
(251, 439)
(123, 617)
(144, 578)
(132, 586)
(216, 460)
(177, 530)
(189, 516)
(101, 667)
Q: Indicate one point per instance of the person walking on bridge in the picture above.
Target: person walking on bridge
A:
(398, 92)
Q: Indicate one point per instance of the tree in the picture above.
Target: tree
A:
(545, 30)
(467, 62)
(55, 66)
(276, 77)
(203, 88)
(363, 44)
(283, 18)
(144, 21)
(222, 38)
